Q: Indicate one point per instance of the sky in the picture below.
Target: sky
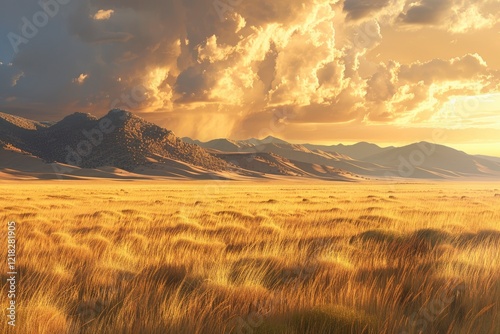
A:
(390, 72)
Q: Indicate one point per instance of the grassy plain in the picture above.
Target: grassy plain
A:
(238, 257)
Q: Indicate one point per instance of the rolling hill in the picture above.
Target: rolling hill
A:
(123, 145)
(81, 145)
(415, 161)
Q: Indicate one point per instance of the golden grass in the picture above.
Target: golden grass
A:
(145, 257)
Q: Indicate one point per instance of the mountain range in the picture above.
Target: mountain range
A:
(121, 145)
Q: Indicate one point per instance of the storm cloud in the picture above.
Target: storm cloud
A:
(357, 9)
(218, 68)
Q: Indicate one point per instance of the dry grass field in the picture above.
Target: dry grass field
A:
(192, 257)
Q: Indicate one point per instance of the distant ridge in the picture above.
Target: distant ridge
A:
(123, 145)
(267, 140)
(123, 141)
(357, 151)
(418, 161)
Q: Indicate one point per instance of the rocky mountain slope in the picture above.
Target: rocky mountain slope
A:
(419, 161)
(119, 139)
(126, 142)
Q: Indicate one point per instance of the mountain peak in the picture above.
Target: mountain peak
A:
(366, 144)
(123, 140)
(74, 120)
(80, 116)
(271, 139)
(120, 113)
(267, 140)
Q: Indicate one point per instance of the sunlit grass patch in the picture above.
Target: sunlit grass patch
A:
(167, 258)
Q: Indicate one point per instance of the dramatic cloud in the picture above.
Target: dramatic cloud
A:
(209, 68)
(462, 68)
(103, 14)
(454, 15)
(427, 11)
(417, 92)
(81, 79)
(357, 9)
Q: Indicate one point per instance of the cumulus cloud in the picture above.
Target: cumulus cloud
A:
(357, 9)
(103, 14)
(426, 11)
(453, 15)
(81, 79)
(461, 68)
(415, 92)
(207, 75)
